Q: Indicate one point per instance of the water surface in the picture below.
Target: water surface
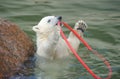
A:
(103, 19)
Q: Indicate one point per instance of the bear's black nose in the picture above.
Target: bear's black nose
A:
(59, 17)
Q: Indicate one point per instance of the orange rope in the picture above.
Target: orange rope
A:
(89, 48)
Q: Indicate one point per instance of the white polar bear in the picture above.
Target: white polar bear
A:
(49, 42)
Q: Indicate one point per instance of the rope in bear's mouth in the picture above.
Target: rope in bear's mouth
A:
(89, 48)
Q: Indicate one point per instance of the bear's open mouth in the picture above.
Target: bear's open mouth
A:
(59, 23)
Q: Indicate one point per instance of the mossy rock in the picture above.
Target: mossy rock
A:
(15, 48)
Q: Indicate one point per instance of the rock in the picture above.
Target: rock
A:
(15, 48)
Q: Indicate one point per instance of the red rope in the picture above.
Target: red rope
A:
(78, 36)
(89, 48)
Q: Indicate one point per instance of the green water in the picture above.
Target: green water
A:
(102, 17)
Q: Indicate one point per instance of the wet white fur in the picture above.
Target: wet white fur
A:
(49, 42)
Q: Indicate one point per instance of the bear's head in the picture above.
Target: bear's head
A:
(47, 24)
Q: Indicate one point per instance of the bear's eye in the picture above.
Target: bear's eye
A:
(49, 20)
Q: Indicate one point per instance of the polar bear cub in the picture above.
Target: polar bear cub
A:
(49, 42)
